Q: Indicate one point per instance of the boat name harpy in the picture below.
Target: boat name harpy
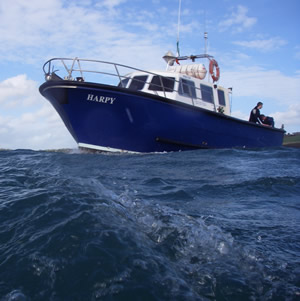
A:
(104, 99)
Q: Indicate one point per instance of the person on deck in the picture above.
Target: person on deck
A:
(255, 113)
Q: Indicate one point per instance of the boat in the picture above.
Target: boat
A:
(112, 107)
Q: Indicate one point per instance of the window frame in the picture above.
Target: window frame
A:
(205, 93)
(160, 86)
(187, 89)
(140, 82)
(223, 98)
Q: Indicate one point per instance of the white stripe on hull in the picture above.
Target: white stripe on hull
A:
(105, 148)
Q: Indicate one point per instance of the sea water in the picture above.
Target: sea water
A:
(195, 225)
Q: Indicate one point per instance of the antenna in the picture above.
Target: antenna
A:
(205, 33)
(178, 26)
(205, 42)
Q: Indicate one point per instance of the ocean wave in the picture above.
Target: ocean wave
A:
(191, 246)
(182, 226)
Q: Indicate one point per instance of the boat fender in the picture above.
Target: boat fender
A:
(213, 63)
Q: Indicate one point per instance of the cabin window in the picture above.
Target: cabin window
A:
(207, 93)
(138, 82)
(187, 88)
(123, 83)
(160, 83)
(221, 97)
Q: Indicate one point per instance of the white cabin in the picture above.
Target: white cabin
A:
(180, 87)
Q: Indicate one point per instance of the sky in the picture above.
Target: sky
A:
(256, 43)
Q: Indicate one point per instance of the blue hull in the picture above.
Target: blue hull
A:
(100, 117)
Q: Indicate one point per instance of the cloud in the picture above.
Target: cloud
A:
(39, 129)
(53, 26)
(85, 29)
(27, 120)
(18, 91)
(259, 82)
(289, 118)
(263, 45)
(110, 3)
(107, 30)
(238, 21)
(276, 90)
(240, 115)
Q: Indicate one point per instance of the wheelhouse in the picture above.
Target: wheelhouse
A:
(180, 87)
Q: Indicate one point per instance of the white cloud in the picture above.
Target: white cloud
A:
(238, 21)
(258, 82)
(40, 129)
(278, 91)
(110, 3)
(36, 127)
(263, 45)
(240, 115)
(18, 91)
(108, 30)
(289, 118)
(60, 28)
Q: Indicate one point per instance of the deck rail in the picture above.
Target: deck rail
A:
(48, 68)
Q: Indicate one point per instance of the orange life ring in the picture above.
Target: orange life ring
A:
(213, 63)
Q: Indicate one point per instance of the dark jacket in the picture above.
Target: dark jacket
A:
(255, 116)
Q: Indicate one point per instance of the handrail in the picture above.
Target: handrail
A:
(89, 60)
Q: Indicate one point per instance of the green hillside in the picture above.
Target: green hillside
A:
(291, 140)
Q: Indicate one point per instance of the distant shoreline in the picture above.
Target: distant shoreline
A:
(296, 145)
(291, 141)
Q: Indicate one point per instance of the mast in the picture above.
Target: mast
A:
(178, 28)
(205, 42)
